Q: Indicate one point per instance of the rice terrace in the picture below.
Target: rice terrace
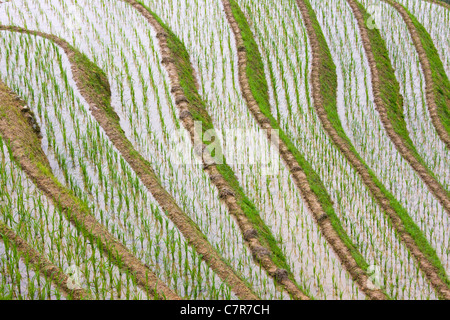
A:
(224, 150)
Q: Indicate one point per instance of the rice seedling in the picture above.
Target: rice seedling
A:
(119, 40)
(331, 167)
(82, 177)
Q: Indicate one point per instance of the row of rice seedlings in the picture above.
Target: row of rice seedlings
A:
(287, 63)
(410, 75)
(138, 85)
(364, 128)
(436, 20)
(27, 212)
(81, 155)
(187, 182)
(203, 28)
(20, 280)
(408, 71)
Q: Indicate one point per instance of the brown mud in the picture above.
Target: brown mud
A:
(260, 252)
(440, 3)
(98, 98)
(26, 148)
(427, 71)
(401, 145)
(45, 267)
(299, 176)
(431, 272)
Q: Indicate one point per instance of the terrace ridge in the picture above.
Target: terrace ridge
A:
(26, 148)
(94, 87)
(437, 84)
(46, 268)
(189, 103)
(324, 80)
(440, 3)
(378, 63)
(389, 104)
(303, 175)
